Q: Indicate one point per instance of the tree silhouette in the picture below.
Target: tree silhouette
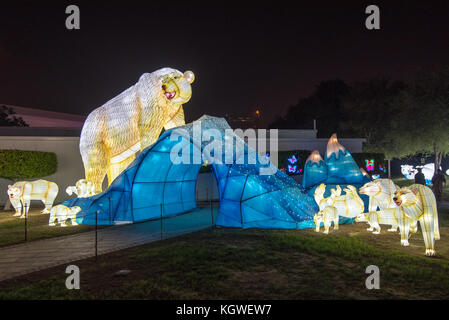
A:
(324, 105)
(8, 118)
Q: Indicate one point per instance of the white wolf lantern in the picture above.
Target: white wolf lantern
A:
(418, 203)
(132, 121)
(23, 192)
(60, 214)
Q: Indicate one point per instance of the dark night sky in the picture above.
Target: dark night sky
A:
(244, 57)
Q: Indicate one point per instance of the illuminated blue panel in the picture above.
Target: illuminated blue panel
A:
(153, 186)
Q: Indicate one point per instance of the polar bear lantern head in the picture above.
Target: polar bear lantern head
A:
(14, 192)
(175, 85)
(405, 197)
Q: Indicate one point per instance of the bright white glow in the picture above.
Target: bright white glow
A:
(409, 171)
(418, 203)
(326, 216)
(61, 214)
(349, 205)
(333, 146)
(364, 172)
(380, 193)
(25, 191)
(132, 121)
(126, 154)
(315, 157)
(83, 189)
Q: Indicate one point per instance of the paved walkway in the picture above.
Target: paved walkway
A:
(25, 258)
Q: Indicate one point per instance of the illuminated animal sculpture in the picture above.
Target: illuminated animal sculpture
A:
(327, 216)
(418, 203)
(380, 193)
(22, 192)
(389, 216)
(349, 205)
(318, 195)
(83, 189)
(132, 121)
(60, 214)
(408, 171)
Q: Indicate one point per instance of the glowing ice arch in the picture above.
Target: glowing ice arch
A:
(247, 198)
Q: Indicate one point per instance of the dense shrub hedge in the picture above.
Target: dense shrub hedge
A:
(22, 164)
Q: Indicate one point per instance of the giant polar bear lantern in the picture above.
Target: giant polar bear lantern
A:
(132, 121)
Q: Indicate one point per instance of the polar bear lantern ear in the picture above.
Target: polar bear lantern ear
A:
(9, 186)
(189, 76)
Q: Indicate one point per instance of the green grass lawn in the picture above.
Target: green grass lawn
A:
(255, 264)
(12, 229)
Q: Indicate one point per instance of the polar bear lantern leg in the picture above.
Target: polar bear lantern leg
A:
(115, 169)
(427, 228)
(374, 222)
(26, 198)
(96, 166)
(376, 227)
(62, 216)
(336, 222)
(17, 207)
(394, 227)
(436, 227)
(327, 225)
(52, 219)
(317, 226)
(413, 226)
(50, 197)
(72, 215)
(427, 220)
(404, 227)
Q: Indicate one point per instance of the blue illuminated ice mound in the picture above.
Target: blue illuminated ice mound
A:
(338, 167)
(315, 170)
(154, 186)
